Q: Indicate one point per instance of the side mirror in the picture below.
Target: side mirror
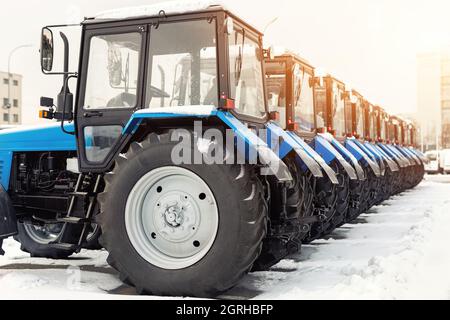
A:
(114, 66)
(47, 49)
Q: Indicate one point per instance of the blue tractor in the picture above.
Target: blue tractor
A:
(166, 149)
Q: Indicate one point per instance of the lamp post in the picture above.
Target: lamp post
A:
(8, 105)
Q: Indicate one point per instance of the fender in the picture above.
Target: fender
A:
(360, 155)
(259, 147)
(400, 161)
(412, 155)
(347, 156)
(420, 155)
(408, 162)
(8, 220)
(378, 157)
(324, 147)
(391, 163)
(288, 143)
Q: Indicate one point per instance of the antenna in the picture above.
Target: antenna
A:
(269, 24)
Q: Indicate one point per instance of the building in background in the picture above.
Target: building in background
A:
(14, 115)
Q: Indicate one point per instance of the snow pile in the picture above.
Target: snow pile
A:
(169, 7)
(200, 110)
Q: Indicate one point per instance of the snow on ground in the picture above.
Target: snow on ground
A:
(396, 251)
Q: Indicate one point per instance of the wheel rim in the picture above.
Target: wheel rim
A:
(171, 218)
(43, 234)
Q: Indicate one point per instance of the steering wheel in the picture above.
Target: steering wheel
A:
(123, 99)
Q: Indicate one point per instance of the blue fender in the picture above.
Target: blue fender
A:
(400, 155)
(356, 149)
(409, 154)
(421, 156)
(292, 142)
(377, 156)
(347, 156)
(386, 148)
(405, 155)
(256, 145)
(325, 148)
(391, 163)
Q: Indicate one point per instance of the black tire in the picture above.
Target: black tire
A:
(38, 249)
(342, 201)
(358, 193)
(242, 220)
(324, 203)
(92, 240)
(284, 233)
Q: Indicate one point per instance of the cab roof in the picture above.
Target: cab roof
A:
(164, 10)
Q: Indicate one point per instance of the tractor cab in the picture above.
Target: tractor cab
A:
(290, 89)
(331, 107)
(207, 57)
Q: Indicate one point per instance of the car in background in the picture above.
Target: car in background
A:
(433, 167)
(444, 161)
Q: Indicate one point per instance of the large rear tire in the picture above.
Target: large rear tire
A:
(205, 237)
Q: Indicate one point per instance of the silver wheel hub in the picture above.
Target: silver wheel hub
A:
(171, 217)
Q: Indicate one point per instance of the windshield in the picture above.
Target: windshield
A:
(182, 65)
(383, 128)
(303, 99)
(338, 110)
(359, 118)
(372, 124)
(246, 75)
(321, 106)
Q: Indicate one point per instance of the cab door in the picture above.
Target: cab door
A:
(110, 91)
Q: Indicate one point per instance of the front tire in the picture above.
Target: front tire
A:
(165, 255)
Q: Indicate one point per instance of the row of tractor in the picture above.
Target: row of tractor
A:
(192, 154)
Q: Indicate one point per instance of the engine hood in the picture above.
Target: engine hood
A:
(48, 137)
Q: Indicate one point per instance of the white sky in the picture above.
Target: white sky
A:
(370, 44)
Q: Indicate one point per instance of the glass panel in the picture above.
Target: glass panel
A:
(321, 107)
(99, 141)
(339, 111)
(246, 77)
(303, 99)
(113, 71)
(359, 118)
(348, 116)
(183, 65)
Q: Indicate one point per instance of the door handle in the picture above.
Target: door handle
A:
(91, 114)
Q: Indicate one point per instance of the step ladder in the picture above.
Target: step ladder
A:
(84, 222)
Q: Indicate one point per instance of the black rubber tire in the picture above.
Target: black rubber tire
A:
(36, 249)
(277, 246)
(342, 201)
(358, 193)
(242, 224)
(92, 241)
(325, 197)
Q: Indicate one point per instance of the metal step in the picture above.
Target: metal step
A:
(65, 246)
(73, 220)
(78, 194)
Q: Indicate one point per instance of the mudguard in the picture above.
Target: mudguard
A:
(408, 152)
(391, 163)
(400, 161)
(352, 145)
(420, 155)
(324, 147)
(408, 162)
(288, 143)
(255, 145)
(8, 221)
(377, 156)
(347, 156)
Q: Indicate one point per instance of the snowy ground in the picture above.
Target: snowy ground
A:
(396, 251)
